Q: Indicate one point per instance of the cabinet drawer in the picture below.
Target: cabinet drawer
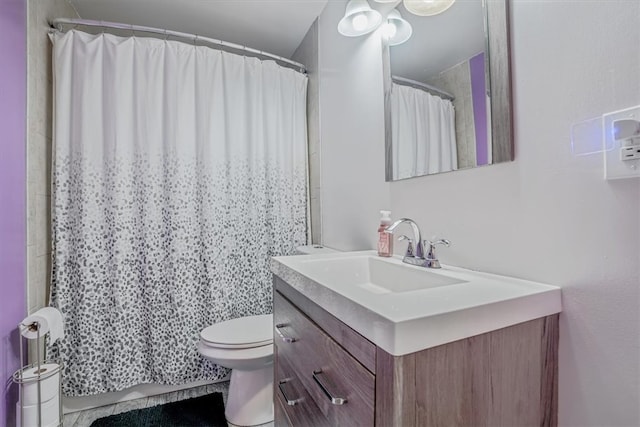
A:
(280, 418)
(293, 406)
(363, 350)
(341, 387)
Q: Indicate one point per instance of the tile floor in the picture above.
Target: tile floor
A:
(85, 418)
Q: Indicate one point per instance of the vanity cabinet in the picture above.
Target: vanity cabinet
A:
(327, 374)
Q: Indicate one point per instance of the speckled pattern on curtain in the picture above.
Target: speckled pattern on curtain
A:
(165, 215)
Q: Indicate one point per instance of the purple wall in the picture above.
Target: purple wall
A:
(478, 94)
(13, 88)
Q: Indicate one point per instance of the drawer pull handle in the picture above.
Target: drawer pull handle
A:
(283, 336)
(334, 400)
(290, 402)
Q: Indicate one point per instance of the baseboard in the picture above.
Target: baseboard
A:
(75, 404)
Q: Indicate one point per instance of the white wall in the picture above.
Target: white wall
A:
(547, 216)
(352, 134)
(307, 53)
(39, 130)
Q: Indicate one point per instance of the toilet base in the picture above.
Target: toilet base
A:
(250, 400)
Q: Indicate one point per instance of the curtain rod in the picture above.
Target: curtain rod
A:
(432, 89)
(60, 22)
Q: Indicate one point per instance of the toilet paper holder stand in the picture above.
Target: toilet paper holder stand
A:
(41, 375)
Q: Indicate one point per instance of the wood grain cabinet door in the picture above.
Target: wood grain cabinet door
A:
(293, 404)
(341, 387)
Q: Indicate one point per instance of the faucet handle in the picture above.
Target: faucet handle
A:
(430, 247)
(409, 240)
(432, 243)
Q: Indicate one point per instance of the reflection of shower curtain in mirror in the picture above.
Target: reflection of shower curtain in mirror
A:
(423, 133)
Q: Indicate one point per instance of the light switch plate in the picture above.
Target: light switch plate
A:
(615, 164)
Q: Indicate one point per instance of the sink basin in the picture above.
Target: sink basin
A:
(374, 274)
(404, 308)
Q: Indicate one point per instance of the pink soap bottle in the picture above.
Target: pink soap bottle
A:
(385, 240)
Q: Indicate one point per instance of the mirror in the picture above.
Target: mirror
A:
(448, 91)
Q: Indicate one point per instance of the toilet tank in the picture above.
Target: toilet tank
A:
(313, 249)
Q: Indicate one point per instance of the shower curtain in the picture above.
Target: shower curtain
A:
(423, 133)
(178, 171)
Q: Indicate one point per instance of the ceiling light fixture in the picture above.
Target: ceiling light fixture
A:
(397, 30)
(359, 19)
(427, 7)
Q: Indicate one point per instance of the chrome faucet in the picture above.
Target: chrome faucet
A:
(417, 256)
(411, 256)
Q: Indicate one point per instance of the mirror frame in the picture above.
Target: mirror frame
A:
(498, 65)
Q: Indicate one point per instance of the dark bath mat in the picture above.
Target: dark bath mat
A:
(203, 411)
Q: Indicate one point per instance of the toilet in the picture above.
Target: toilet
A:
(245, 345)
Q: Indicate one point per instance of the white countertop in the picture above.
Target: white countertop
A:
(409, 321)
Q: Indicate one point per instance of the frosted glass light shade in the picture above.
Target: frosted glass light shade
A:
(427, 7)
(359, 19)
(403, 29)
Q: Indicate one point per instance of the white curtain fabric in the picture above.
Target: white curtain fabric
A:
(178, 171)
(423, 133)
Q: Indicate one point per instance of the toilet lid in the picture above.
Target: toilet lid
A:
(243, 332)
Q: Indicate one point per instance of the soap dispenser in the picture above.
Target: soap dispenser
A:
(385, 240)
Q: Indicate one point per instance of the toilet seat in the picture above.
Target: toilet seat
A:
(248, 354)
(240, 333)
